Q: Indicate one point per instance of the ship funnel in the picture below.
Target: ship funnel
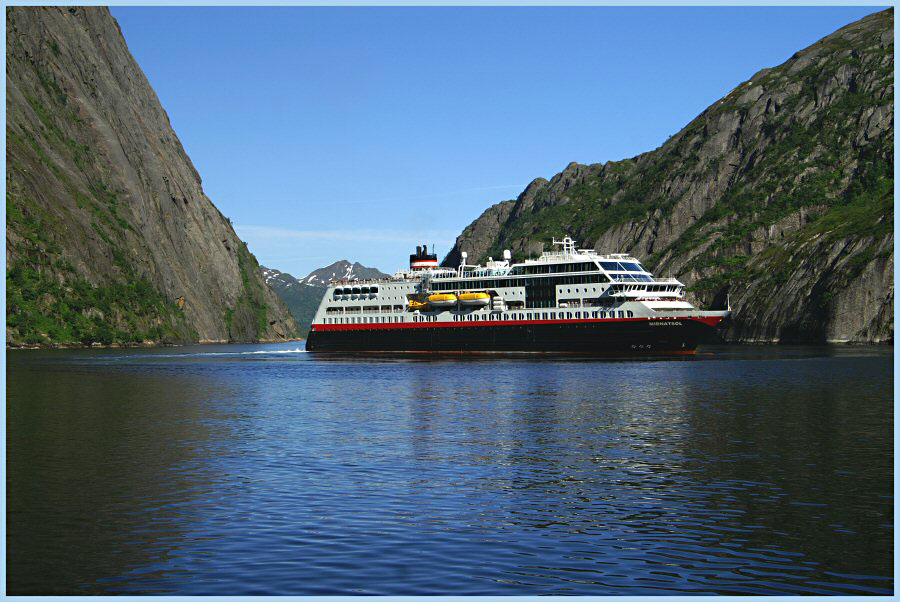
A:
(422, 259)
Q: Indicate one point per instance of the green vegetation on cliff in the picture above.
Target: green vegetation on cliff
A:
(251, 305)
(110, 238)
(779, 195)
(47, 300)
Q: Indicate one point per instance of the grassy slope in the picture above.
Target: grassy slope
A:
(803, 165)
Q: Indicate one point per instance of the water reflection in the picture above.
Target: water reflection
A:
(104, 470)
(754, 471)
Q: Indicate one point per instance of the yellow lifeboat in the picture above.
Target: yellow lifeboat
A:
(471, 299)
(442, 299)
(417, 305)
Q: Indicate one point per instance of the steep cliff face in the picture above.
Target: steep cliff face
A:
(780, 196)
(109, 236)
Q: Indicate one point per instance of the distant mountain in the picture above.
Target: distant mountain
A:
(302, 296)
(340, 270)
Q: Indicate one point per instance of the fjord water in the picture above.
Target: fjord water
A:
(266, 470)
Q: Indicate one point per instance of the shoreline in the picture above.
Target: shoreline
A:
(145, 344)
(750, 343)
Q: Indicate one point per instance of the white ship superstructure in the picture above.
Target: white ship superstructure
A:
(567, 287)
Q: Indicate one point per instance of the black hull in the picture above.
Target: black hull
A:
(625, 337)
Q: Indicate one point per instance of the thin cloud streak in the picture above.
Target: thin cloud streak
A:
(428, 196)
(268, 232)
(302, 251)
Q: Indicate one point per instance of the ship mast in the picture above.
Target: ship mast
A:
(568, 246)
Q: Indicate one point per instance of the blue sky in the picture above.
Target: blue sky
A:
(331, 133)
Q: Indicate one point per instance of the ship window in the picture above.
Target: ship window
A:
(630, 314)
(621, 314)
(374, 289)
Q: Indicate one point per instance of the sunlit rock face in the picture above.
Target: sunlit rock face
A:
(778, 197)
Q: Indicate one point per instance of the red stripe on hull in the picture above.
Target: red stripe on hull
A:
(707, 320)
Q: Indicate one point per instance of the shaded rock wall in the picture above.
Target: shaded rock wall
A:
(110, 237)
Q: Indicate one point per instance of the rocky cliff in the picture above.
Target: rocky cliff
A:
(109, 236)
(780, 195)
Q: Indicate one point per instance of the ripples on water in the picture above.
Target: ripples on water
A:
(265, 470)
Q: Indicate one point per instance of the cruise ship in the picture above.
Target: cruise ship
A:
(568, 300)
